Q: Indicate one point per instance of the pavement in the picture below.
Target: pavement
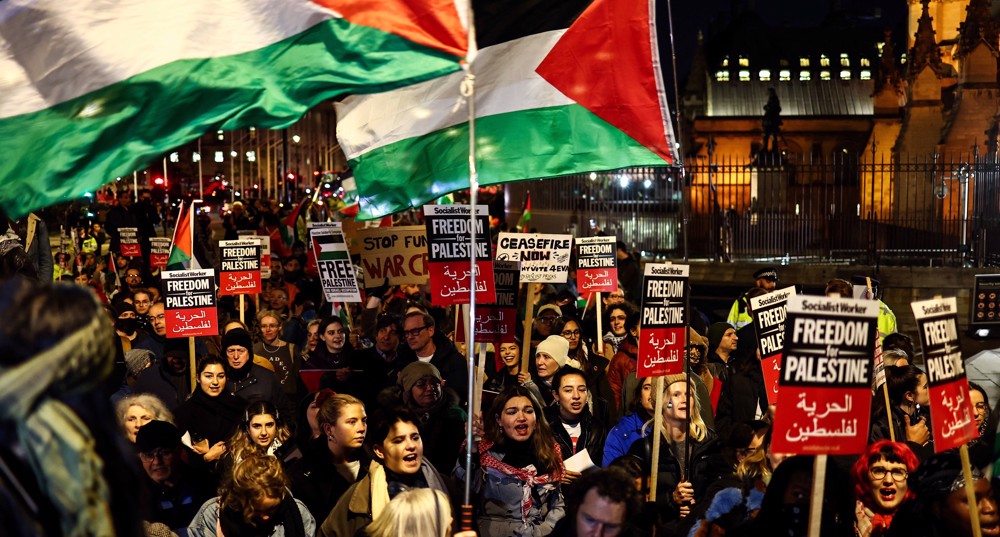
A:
(984, 369)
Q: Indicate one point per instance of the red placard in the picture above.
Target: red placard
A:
(189, 303)
(449, 255)
(159, 252)
(824, 399)
(129, 241)
(771, 367)
(596, 265)
(951, 409)
(496, 323)
(663, 333)
(240, 270)
(769, 321)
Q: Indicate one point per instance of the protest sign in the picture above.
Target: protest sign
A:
(396, 253)
(951, 408)
(544, 258)
(310, 267)
(265, 250)
(336, 272)
(769, 321)
(825, 393)
(240, 270)
(596, 265)
(663, 332)
(189, 303)
(449, 249)
(128, 238)
(496, 322)
(159, 252)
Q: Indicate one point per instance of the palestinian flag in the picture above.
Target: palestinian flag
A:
(562, 87)
(182, 246)
(522, 223)
(92, 90)
(289, 225)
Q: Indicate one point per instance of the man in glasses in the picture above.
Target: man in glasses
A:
(425, 344)
(176, 490)
(546, 315)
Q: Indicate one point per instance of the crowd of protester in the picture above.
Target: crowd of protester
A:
(308, 418)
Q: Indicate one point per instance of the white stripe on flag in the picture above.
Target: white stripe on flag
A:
(506, 81)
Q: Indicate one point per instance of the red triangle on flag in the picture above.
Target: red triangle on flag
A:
(607, 61)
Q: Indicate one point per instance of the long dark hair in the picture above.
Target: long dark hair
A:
(542, 439)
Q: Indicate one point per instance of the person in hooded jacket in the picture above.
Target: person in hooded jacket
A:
(249, 380)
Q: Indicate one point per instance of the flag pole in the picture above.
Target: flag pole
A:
(468, 90)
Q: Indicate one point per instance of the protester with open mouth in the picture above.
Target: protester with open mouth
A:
(880, 483)
(572, 420)
(516, 476)
(211, 414)
(397, 463)
(690, 459)
(510, 374)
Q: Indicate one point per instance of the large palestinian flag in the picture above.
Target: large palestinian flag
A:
(91, 90)
(563, 87)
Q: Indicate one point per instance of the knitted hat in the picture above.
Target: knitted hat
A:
(414, 372)
(555, 346)
(136, 360)
(670, 379)
(715, 333)
(123, 307)
(155, 435)
(238, 337)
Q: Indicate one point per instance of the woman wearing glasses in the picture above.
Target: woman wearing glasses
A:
(280, 353)
(880, 483)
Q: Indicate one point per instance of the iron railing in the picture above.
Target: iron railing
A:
(872, 208)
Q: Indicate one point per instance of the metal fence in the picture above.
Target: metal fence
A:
(876, 209)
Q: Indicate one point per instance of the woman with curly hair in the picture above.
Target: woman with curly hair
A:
(879, 477)
(516, 483)
(138, 409)
(253, 502)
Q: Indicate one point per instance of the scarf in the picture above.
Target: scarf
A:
(232, 524)
(528, 475)
(870, 523)
(57, 444)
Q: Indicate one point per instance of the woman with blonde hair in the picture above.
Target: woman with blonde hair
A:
(262, 433)
(138, 409)
(254, 501)
(690, 458)
(423, 512)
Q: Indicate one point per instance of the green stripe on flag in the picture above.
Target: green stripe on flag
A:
(334, 255)
(77, 146)
(527, 144)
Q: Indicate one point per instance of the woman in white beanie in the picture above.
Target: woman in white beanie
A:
(550, 355)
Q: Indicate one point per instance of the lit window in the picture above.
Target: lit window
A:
(865, 62)
(744, 62)
(824, 61)
(805, 75)
(725, 61)
(765, 74)
(866, 75)
(803, 62)
(722, 76)
(845, 75)
(784, 75)
(744, 75)
(844, 60)
(902, 58)
(880, 46)
(824, 75)
(219, 156)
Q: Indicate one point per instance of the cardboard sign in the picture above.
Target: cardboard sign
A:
(544, 258)
(397, 253)
(951, 409)
(596, 265)
(449, 251)
(159, 252)
(189, 303)
(497, 322)
(129, 240)
(769, 321)
(663, 333)
(240, 270)
(824, 399)
(986, 300)
(265, 249)
(336, 272)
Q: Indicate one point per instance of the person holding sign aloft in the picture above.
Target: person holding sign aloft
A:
(681, 481)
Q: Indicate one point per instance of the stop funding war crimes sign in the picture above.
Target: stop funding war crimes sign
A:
(663, 333)
(951, 409)
(769, 321)
(825, 393)
(544, 258)
(596, 265)
(128, 238)
(189, 303)
(240, 270)
(396, 253)
(449, 254)
(333, 261)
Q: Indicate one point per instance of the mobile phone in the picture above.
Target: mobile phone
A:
(916, 413)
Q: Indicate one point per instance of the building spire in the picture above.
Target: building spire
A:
(925, 50)
(888, 73)
(979, 26)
